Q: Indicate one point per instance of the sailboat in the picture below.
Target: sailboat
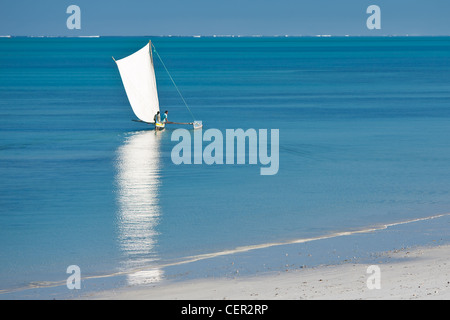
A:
(138, 77)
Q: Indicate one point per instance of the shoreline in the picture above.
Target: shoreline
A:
(422, 273)
(414, 262)
(258, 270)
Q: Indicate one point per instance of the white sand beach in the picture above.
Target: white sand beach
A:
(420, 273)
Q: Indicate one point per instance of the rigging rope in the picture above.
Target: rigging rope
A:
(185, 103)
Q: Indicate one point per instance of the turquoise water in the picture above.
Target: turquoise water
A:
(364, 126)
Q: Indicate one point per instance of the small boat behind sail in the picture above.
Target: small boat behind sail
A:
(138, 77)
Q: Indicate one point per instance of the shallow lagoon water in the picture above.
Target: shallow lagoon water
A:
(364, 126)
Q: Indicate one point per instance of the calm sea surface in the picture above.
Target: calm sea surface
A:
(364, 129)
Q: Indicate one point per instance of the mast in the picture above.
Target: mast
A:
(150, 45)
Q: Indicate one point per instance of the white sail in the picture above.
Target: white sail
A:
(138, 77)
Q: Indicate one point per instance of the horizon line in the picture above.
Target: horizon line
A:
(225, 36)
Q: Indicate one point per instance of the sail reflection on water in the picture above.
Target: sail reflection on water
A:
(138, 180)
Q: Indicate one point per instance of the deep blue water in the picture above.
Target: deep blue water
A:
(364, 139)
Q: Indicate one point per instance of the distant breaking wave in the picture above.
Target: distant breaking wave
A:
(94, 36)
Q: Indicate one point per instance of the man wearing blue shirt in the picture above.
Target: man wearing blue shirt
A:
(164, 117)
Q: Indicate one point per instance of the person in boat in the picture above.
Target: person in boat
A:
(157, 117)
(164, 117)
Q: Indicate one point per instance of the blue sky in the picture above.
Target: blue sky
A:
(238, 17)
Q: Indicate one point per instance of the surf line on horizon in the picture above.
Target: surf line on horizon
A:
(215, 153)
(190, 259)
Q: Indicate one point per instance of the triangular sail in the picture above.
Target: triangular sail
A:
(138, 77)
